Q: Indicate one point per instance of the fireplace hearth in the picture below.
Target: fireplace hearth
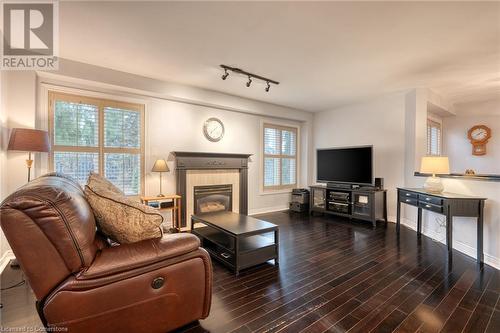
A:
(213, 198)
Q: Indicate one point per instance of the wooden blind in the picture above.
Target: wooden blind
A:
(280, 157)
(90, 134)
(433, 137)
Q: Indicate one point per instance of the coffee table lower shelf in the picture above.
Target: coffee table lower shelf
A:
(237, 251)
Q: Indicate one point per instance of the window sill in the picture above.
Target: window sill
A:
(271, 192)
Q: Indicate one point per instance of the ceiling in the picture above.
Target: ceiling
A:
(325, 54)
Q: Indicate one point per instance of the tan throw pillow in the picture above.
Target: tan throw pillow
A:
(95, 180)
(120, 218)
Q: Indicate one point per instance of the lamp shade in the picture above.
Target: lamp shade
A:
(436, 165)
(160, 166)
(26, 139)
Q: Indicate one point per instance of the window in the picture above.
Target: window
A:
(90, 134)
(280, 157)
(433, 137)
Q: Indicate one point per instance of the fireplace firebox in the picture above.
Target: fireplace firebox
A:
(213, 198)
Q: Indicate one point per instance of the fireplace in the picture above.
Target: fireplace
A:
(203, 169)
(213, 198)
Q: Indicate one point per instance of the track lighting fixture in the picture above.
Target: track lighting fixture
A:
(225, 75)
(249, 75)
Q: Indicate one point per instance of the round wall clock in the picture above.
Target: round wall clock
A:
(213, 129)
(479, 136)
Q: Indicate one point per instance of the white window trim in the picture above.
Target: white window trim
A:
(74, 87)
(434, 121)
(270, 191)
(116, 100)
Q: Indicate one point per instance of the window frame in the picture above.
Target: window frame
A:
(281, 156)
(431, 123)
(101, 103)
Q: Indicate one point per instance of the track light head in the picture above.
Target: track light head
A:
(251, 76)
(225, 75)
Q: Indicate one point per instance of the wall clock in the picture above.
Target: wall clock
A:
(213, 129)
(479, 136)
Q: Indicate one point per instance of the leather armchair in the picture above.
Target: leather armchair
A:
(84, 285)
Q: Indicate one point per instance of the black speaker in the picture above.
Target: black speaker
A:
(379, 183)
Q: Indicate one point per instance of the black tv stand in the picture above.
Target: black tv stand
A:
(340, 186)
(362, 203)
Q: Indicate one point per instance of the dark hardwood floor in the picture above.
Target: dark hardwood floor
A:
(336, 276)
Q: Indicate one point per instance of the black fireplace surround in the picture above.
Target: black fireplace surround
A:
(185, 161)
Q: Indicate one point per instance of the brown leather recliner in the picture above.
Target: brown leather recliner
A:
(84, 285)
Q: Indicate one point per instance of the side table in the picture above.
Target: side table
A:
(175, 207)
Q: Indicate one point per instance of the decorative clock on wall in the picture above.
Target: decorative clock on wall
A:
(213, 129)
(479, 136)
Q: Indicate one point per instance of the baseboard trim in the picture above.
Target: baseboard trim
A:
(267, 210)
(457, 245)
(6, 258)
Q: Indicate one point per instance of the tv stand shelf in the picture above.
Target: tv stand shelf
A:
(363, 203)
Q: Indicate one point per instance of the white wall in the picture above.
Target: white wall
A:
(457, 146)
(18, 105)
(4, 246)
(415, 133)
(379, 122)
(178, 127)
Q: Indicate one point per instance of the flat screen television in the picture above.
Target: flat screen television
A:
(345, 165)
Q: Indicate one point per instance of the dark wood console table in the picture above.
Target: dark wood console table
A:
(447, 204)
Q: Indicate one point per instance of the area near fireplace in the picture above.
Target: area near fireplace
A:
(213, 181)
(222, 178)
(213, 198)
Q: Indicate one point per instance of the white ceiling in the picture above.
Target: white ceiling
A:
(324, 53)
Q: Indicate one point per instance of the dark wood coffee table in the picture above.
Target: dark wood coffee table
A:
(238, 241)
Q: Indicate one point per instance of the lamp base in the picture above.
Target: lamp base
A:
(29, 164)
(433, 184)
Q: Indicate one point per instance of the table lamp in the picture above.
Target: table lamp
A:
(160, 166)
(30, 140)
(435, 165)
